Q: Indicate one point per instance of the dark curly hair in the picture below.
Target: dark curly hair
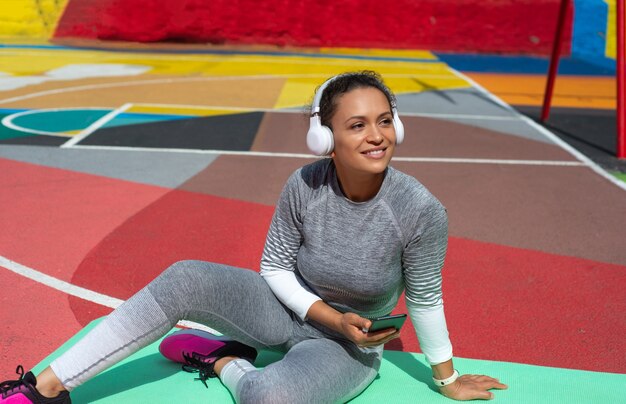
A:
(347, 82)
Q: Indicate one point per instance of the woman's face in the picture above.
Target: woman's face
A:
(363, 132)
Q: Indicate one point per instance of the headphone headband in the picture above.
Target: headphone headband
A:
(318, 95)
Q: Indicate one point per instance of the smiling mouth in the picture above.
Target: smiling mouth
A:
(374, 152)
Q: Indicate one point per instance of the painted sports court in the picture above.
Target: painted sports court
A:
(119, 160)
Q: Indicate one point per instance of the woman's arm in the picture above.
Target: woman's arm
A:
(423, 260)
(282, 244)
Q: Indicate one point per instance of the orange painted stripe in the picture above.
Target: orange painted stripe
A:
(569, 91)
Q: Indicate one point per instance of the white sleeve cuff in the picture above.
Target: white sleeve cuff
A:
(432, 332)
(288, 289)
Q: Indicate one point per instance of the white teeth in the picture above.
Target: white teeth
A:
(374, 152)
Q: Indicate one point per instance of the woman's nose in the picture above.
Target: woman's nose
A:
(375, 135)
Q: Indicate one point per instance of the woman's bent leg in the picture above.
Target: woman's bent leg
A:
(234, 301)
(313, 371)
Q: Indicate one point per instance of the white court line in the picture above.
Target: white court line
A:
(578, 155)
(96, 125)
(77, 291)
(310, 156)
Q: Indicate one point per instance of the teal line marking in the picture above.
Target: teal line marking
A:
(59, 120)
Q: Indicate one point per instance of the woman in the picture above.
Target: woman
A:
(349, 234)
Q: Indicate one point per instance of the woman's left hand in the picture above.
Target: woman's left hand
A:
(471, 387)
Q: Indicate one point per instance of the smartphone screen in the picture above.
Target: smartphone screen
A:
(391, 321)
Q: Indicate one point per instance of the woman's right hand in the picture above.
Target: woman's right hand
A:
(352, 325)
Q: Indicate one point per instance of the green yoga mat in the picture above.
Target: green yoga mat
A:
(403, 378)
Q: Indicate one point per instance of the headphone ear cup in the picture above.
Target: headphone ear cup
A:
(319, 138)
(398, 126)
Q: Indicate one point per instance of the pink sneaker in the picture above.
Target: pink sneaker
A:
(199, 350)
(23, 391)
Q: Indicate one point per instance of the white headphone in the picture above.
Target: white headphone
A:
(319, 139)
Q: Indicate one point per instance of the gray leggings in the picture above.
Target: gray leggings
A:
(317, 367)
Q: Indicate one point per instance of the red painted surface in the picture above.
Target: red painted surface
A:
(62, 214)
(181, 225)
(471, 26)
(518, 305)
(34, 321)
(502, 303)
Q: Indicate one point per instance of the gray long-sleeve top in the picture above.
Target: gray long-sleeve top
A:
(359, 257)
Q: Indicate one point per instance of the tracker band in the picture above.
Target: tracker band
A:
(448, 380)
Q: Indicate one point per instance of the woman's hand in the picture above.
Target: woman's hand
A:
(471, 387)
(352, 326)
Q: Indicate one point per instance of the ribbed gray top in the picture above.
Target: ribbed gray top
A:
(359, 257)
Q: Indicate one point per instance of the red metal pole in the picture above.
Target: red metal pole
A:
(621, 83)
(554, 61)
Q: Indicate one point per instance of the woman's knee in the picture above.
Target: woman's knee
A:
(259, 391)
(184, 269)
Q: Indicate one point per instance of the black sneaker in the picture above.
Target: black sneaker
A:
(23, 391)
(199, 350)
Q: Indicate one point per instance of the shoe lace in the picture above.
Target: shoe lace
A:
(9, 386)
(195, 364)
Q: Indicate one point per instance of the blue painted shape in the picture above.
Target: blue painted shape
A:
(521, 64)
(589, 32)
(9, 111)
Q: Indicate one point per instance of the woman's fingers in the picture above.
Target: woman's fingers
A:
(488, 382)
(472, 387)
(379, 337)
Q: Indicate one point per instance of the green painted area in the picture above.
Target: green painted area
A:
(403, 378)
(6, 133)
(619, 175)
(60, 121)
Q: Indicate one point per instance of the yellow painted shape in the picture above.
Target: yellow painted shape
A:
(302, 74)
(610, 50)
(30, 18)
(52, 11)
(38, 61)
(181, 110)
(569, 91)
(71, 132)
(298, 92)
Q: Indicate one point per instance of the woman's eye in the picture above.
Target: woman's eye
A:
(386, 121)
(358, 125)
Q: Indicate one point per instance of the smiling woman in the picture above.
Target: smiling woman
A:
(349, 235)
